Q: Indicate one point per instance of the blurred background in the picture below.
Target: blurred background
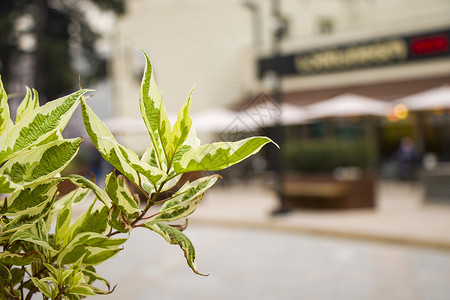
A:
(355, 205)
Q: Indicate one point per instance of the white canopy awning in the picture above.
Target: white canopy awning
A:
(347, 105)
(433, 99)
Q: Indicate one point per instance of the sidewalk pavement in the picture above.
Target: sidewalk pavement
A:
(400, 215)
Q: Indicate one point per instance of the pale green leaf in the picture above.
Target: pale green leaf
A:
(176, 237)
(120, 194)
(18, 259)
(92, 220)
(81, 181)
(27, 236)
(83, 290)
(123, 159)
(41, 162)
(218, 156)
(37, 125)
(182, 126)
(154, 114)
(88, 243)
(4, 108)
(185, 200)
(32, 199)
(7, 186)
(63, 221)
(43, 287)
(28, 104)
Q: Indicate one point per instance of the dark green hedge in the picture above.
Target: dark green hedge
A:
(321, 156)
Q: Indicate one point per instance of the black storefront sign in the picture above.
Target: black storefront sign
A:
(360, 55)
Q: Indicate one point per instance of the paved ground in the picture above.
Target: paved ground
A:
(400, 250)
(260, 264)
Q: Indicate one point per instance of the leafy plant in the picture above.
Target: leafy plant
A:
(43, 249)
(323, 156)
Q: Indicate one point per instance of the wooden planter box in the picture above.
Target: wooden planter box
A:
(325, 192)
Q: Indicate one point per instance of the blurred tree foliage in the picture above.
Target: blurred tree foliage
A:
(50, 36)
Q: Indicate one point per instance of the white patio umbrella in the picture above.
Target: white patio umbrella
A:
(347, 105)
(213, 120)
(435, 98)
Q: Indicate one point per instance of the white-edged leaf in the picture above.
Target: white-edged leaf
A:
(218, 156)
(182, 126)
(123, 159)
(27, 236)
(43, 287)
(41, 162)
(63, 221)
(120, 194)
(89, 243)
(29, 103)
(4, 107)
(18, 259)
(176, 237)
(154, 114)
(81, 181)
(92, 220)
(7, 186)
(185, 200)
(39, 124)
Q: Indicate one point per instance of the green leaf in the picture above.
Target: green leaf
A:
(27, 236)
(181, 128)
(18, 259)
(120, 194)
(7, 186)
(89, 244)
(154, 114)
(41, 162)
(4, 108)
(117, 219)
(92, 220)
(28, 104)
(218, 156)
(176, 237)
(32, 199)
(63, 221)
(123, 159)
(43, 287)
(83, 290)
(39, 124)
(185, 200)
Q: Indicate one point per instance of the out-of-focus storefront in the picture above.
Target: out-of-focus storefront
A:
(386, 67)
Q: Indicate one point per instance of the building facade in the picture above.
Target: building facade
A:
(317, 48)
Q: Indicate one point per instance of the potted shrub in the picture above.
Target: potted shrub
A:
(328, 173)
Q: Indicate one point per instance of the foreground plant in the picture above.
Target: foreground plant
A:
(59, 262)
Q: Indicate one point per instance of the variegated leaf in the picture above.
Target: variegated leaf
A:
(218, 156)
(39, 124)
(27, 236)
(185, 200)
(4, 108)
(34, 212)
(41, 162)
(182, 127)
(29, 103)
(44, 287)
(89, 243)
(92, 220)
(124, 160)
(120, 194)
(176, 237)
(18, 259)
(63, 221)
(7, 186)
(154, 114)
(81, 181)
(32, 199)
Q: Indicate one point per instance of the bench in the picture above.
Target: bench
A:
(325, 192)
